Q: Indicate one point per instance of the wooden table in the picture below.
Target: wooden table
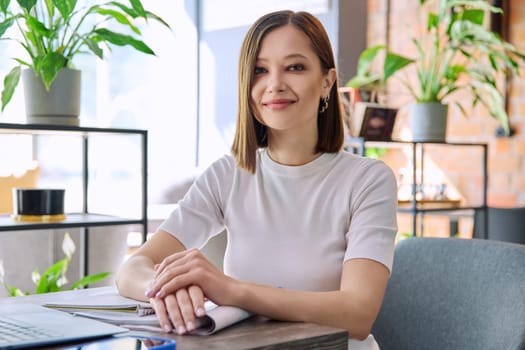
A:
(261, 333)
(255, 333)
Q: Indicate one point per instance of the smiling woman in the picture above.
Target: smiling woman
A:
(289, 83)
(310, 228)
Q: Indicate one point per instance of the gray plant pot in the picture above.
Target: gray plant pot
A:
(60, 105)
(428, 121)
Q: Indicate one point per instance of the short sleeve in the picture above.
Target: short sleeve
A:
(199, 215)
(373, 223)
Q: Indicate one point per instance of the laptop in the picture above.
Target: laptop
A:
(30, 325)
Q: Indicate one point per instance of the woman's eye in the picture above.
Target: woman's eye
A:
(259, 70)
(296, 67)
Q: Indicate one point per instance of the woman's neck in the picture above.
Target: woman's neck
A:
(293, 146)
(291, 158)
(292, 153)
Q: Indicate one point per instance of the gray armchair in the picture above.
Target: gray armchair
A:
(503, 224)
(449, 293)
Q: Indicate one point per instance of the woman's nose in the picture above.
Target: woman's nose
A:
(275, 82)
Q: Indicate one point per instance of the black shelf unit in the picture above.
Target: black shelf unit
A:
(83, 220)
(416, 207)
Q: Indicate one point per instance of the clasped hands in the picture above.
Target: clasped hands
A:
(181, 284)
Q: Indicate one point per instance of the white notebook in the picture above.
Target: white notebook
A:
(30, 325)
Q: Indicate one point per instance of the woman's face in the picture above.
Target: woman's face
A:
(288, 81)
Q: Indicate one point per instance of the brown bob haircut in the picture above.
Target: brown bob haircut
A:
(250, 134)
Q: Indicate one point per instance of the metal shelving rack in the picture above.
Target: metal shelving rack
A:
(83, 220)
(416, 207)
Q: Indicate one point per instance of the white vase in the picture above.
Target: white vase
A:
(428, 121)
(60, 105)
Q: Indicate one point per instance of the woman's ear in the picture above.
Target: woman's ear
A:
(328, 81)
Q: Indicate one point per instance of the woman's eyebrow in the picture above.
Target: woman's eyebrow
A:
(290, 56)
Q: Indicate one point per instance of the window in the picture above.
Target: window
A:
(186, 96)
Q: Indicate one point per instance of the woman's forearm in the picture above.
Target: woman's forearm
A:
(341, 309)
(134, 277)
(354, 307)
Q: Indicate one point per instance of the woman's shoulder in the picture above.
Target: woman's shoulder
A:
(226, 161)
(222, 166)
(356, 166)
(357, 161)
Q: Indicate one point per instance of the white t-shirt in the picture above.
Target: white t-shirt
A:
(292, 226)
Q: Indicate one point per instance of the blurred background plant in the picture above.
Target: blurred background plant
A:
(54, 278)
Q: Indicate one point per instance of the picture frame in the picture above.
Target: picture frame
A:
(372, 121)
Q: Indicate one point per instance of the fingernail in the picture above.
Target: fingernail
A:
(167, 328)
(201, 312)
(148, 293)
(190, 326)
(181, 330)
(159, 294)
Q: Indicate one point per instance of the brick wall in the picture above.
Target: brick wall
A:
(394, 22)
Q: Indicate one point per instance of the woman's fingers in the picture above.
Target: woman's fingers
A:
(197, 300)
(174, 312)
(169, 268)
(186, 310)
(177, 311)
(159, 281)
(176, 258)
(173, 284)
(175, 273)
(162, 314)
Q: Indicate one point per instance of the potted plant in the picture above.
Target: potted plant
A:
(457, 52)
(54, 277)
(371, 82)
(365, 88)
(52, 33)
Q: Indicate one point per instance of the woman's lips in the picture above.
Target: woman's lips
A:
(278, 104)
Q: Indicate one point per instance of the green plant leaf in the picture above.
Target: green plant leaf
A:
(393, 63)
(137, 6)
(119, 17)
(131, 12)
(65, 7)
(49, 280)
(360, 81)
(432, 22)
(366, 58)
(50, 7)
(91, 279)
(48, 67)
(157, 18)
(476, 16)
(27, 4)
(10, 83)
(37, 27)
(107, 35)
(15, 292)
(93, 46)
(4, 5)
(6, 24)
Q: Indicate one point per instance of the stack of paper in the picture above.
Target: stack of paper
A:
(107, 305)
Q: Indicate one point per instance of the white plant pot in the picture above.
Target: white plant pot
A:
(428, 122)
(60, 105)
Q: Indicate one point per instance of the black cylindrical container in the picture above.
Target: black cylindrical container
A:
(36, 204)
